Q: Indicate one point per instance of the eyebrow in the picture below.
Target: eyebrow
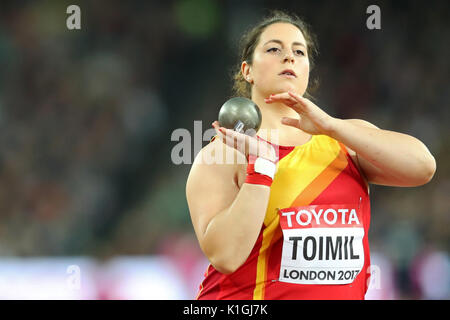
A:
(280, 42)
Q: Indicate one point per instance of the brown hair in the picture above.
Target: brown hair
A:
(250, 40)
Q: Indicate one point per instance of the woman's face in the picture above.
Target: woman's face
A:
(281, 47)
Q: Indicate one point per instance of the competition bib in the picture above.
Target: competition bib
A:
(322, 244)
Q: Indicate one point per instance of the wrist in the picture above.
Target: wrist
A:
(265, 167)
(260, 171)
(334, 127)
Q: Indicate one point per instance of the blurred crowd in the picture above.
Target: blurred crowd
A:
(86, 118)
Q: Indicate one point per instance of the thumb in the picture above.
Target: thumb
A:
(290, 121)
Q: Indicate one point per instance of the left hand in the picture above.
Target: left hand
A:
(313, 120)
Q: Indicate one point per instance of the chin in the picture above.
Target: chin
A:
(280, 88)
(293, 88)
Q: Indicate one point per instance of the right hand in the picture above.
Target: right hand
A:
(245, 144)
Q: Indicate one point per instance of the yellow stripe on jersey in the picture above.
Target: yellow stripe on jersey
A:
(301, 176)
(322, 181)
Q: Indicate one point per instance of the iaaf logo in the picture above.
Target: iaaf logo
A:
(182, 152)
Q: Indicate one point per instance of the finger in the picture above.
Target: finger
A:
(239, 139)
(306, 104)
(217, 127)
(290, 122)
(233, 139)
(295, 95)
(232, 133)
(288, 102)
(299, 98)
(301, 104)
(221, 130)
(220, 133)
(287, 99)
(291, 103)
(230, 137)
(279, 96)
(296, 107)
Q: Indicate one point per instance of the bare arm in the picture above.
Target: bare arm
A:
(386, 157)
(226, 219)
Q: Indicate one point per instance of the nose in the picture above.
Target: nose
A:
(288, 57)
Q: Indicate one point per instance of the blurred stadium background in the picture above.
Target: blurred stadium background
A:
(91, 205)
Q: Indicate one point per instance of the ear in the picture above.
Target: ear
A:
(246, 72)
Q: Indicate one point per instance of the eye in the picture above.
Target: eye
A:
(273, 49)
(299, 52)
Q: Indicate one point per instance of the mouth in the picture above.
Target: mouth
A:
(288, 73)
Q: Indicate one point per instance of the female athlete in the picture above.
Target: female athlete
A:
(291, 221)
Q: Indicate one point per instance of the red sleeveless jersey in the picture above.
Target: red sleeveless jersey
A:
(314, 240)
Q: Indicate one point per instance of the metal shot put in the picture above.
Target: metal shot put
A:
(240, 114)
